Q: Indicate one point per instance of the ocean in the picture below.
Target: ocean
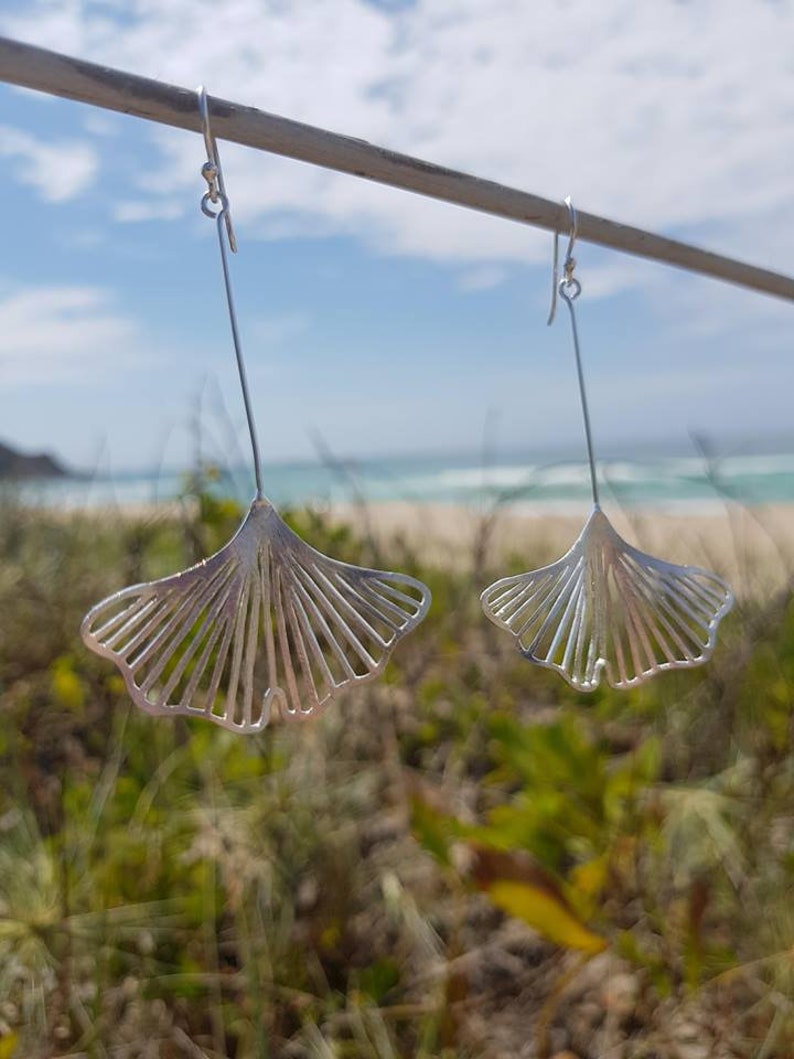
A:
(674, 484)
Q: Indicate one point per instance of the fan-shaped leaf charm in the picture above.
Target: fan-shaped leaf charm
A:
(607, 606)
(265, 621)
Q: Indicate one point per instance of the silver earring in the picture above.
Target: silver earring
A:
(265, 622)
(606, 607)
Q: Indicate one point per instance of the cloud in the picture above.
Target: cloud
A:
(131, 211)
(58, 171)
(61, 334)
(482, 277)
(670, 116)
(275, 332)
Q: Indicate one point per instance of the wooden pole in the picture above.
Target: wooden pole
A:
(60, 75)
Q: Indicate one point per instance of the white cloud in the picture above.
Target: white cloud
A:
(61, 334)
(669, 116)
(101, 123)
(58, 171)
(274, 332)
(132, 211)
(609, 275)
(482, 277)
(699, 308)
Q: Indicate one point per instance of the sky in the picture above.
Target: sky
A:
(380, 321)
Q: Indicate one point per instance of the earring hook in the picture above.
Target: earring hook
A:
(216, 195)
(569, 264)
(212, 172)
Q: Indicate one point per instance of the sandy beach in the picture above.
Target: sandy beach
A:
(753, 548)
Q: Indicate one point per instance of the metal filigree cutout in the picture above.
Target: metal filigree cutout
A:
(608, 607)
(605, 606)
(265, 622)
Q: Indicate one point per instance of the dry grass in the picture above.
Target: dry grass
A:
(168, 889)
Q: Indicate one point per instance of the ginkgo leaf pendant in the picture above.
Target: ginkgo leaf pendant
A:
(605, 606)
(266, 621)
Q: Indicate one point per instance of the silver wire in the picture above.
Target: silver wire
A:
(216, 194)
(212, 171)
(238, 352)
(570, 260)
(569, 290)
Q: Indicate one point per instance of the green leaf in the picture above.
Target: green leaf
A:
(379, 978)
(433, 830)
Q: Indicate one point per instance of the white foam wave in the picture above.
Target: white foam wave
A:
(756, 466)
(471, 478)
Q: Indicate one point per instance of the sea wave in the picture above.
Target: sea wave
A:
(672, 483)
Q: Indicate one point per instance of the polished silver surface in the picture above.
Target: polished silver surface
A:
(606, 607)
(267, 622)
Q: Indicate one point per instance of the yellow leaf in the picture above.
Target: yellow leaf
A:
(66, 686)
(545, 915)
(8, 1045)
(330, 936)
(525, 890)
(590, 878)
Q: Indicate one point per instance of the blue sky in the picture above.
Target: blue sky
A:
(385, 322)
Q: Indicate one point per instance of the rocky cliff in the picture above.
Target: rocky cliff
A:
(15, 464)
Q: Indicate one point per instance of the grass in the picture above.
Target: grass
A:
(467, 858)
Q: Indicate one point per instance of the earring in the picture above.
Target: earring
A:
(605, 606)
(265, 622)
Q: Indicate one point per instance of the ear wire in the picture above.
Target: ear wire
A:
(569, 288)
(216, 196)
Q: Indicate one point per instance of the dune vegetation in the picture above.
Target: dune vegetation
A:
(466, 858)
